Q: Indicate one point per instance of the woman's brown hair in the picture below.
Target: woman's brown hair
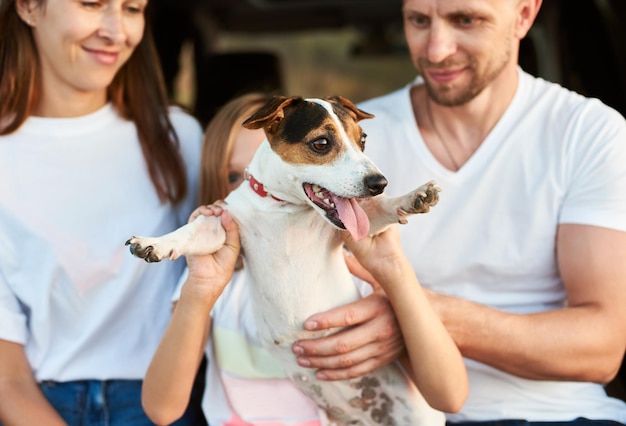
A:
(137, 92)
(218, 144)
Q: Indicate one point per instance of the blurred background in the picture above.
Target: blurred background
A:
(214, 49)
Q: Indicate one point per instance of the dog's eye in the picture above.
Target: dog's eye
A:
(320, 145)
(362, 140)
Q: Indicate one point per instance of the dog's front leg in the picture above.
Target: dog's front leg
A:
(204, 235)
(384, 211)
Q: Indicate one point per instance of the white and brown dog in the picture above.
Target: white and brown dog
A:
(308, 182)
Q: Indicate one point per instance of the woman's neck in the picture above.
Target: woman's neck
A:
(73, 105)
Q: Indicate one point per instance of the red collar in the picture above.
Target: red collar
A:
(259, 188)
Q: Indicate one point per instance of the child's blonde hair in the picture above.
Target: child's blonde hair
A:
(218, 144)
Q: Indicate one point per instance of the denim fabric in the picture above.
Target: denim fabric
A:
(577, 422)
(107, 403)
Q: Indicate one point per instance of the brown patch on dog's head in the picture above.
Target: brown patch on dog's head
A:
(350, 115)
(303, 132)
(270, 115)
(356, 113)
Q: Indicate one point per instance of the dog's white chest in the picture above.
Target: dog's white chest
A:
(295, 266)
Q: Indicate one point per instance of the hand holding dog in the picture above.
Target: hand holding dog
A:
(379, 254)
(373, 339)
(215, 269)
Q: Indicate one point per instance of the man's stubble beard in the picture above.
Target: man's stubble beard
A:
(445, 97)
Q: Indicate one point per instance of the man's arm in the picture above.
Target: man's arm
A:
(584, 341)
(22, 401)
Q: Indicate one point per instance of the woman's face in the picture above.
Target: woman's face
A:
(245, 145)
(82, 44)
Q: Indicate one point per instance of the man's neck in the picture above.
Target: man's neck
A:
(453, 134)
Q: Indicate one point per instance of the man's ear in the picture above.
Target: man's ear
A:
(526, 13)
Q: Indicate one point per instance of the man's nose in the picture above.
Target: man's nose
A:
(441, 42)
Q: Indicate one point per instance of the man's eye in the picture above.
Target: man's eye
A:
(467, 21)
(420, 21)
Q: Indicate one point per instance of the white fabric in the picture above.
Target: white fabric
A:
(244, 383)
(72, 191)
(554, 157)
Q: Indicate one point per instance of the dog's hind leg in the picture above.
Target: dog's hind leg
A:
(202, 236)
(384, 211)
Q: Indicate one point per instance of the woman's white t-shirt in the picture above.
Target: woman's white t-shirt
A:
(72, 191)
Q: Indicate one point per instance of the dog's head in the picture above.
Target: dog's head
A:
(318, 157)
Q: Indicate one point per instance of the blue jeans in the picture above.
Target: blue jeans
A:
(107, 403)
(577, 422)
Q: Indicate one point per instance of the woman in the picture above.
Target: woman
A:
(90, 153)
(244, 384)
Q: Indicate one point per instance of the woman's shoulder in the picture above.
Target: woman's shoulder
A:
(189, 133)
(184, 122)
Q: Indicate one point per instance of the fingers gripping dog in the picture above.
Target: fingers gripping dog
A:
(308, 182)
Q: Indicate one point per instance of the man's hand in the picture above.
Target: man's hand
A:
(372, 340)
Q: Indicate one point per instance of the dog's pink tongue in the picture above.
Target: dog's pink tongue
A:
(352, 216)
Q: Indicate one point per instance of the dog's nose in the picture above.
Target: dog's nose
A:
(375, 184)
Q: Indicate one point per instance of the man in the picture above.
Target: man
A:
(525, 253)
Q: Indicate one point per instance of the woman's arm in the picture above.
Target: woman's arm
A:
(169, 379)
(22, 402)
(437, 367)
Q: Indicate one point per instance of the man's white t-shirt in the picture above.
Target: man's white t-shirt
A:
(554, 157)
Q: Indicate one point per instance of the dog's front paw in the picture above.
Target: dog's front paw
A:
(427, 197)
(147, 249)
(420, 201)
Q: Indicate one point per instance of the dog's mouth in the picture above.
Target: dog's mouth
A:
(344, 213)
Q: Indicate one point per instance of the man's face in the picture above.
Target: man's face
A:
(460, 46)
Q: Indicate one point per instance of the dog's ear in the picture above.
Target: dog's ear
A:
(352, 109)
(270, 114)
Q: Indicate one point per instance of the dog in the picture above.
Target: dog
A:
(307, 184)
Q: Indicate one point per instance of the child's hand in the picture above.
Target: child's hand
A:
(377, 254)
(213, 271)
